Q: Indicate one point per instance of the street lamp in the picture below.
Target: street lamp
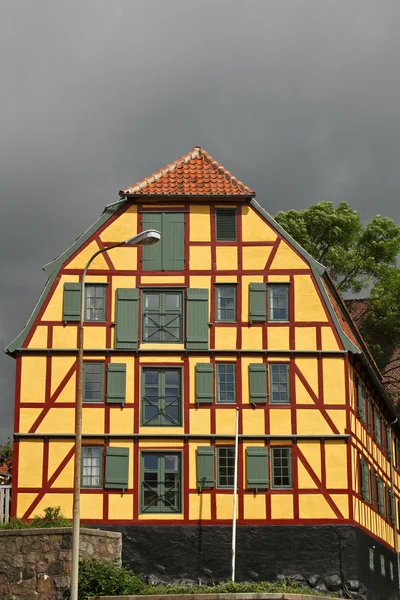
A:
(145, 238)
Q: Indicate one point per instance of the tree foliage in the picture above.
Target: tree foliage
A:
(359, 258)
(6, 455)
(356, 255)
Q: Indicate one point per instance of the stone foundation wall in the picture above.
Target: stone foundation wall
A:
(36, 563)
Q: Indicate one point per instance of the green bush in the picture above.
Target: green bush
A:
(52, 518)
(97, 578)
(100, 578)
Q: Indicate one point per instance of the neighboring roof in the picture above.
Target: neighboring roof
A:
(343, 321)
(358, 309)
(194, 174)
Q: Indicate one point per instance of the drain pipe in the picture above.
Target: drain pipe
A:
(393, 511)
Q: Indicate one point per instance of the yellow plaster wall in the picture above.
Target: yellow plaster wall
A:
(278, 278)
(120, 507)
(60, 366)
(200, 258)
(255, 257)
(225, 420)
(254, 506)
(33, 378)
(58, 420)
(334, 380)
(280, 421)
(311, 450)
(94, 337)
(82, 258)
(199, 223)
(312, 422)
(305, 480)
(278, 338)
(58, 450)
(254, 228)
(224, 504)
(306, 338)
(328, 339)
(121, 420)
(253, 422)
(39, 338)
(314, 506)
(252, 338)
(157, 279)
(64, 501)
(124, 258)
(342, 502)
(307, 305)
(226, 278)
(123, 227)
(91, 506)
(286, 258)
(281, 506)
(65, 336)
(30, 462)
(54, 308)
(199, 507)
(200, 281)
(309, 369)
(27, 417)
(92, 420)
(68, 393)
(200, 420)
(225, 338)
(336, 464)
(227, 258)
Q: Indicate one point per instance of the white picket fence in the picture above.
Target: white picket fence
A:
(5, 503)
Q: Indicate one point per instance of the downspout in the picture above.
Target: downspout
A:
(394, 518)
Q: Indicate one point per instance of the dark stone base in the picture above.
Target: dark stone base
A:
(326, 558)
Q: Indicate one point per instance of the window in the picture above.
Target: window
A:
(225, 303)
(225, 224)
(281, 462)
(278, 302)
(383, 565)
(391, 569)
(93, 382)
(279, 383)
(371, 559)
(95, 302)
(226, 466)
(91, 466)
(162, 317)
(161, 485)
(226, 374)
(161, 397)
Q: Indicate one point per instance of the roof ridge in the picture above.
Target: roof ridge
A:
(196, 152)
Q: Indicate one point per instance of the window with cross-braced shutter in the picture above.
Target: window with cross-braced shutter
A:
(161, 482)
(162, 316)
(161, 397)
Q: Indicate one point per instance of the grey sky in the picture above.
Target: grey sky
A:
(298, 98)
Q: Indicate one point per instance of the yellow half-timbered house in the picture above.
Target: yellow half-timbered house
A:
(226, 313)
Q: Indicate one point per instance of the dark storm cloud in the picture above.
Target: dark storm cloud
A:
(299, 99)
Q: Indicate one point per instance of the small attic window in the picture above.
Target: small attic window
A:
(225, 224)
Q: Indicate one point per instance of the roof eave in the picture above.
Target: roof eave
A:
(133, 195)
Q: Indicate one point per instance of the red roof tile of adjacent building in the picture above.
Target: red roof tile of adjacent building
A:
(194, 174)
(344, 324)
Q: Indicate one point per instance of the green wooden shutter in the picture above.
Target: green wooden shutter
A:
(389, 441)
(396, 452)
(126, 330)
(225, 224)
(377, 426)
(72, 302)
(257, 468)
(151, 255)
(257, 302)
(205, 467)
(368, 419)
(117, 468)
(381, 507)
(364, 480)
(372, 486)
(116, 383)
(197, 319)
(258, 383)
(361, 400)
(204, 383)
(387, 502)
(172, 242)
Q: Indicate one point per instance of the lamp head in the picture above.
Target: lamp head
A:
(145, 238)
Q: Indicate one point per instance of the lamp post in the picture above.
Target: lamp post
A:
(146, 238)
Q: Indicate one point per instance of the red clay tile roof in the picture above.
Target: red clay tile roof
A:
(194, 174)
(341, 318)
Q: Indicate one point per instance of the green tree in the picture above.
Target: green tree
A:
(355, 255)
(359, 258)
(6, 455)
